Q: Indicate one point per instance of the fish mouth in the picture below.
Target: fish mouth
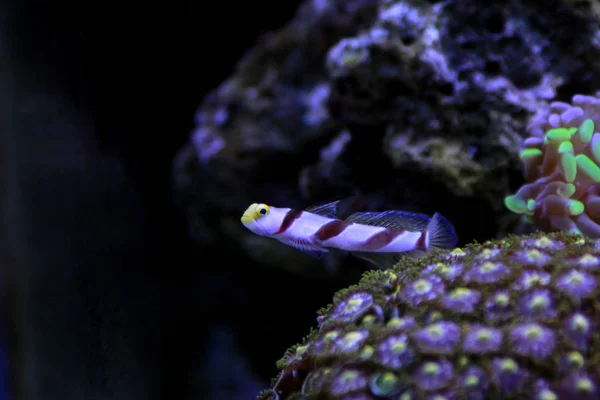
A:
(246, 219)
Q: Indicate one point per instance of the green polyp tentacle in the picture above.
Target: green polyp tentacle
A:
(567, 161)
(588, 167)
(515, 204)
(567, 190)
(565, 147)
(530, 207)
(586, 130)
(576, 207)
(595, 146)
(529, 154)
(569, 166)
(558, 135)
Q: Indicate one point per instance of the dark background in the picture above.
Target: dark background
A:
(104, 293)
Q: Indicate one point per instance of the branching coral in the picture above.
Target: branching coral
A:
(511, 318)
(561, 166)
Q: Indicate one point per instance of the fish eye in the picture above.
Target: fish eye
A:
(262, 209)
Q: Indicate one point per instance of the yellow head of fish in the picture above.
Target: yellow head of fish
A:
(253, 213)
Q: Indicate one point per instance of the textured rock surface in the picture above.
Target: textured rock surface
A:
(420, 104)
(514, 317)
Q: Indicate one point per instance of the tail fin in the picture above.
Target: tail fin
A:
(441, 233)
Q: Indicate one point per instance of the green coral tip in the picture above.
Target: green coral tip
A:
(558, 135)
(569, 166)
(586, 130)
(567, 190)
(530, 153)
(588, 167)
(565, 147)
(595, 146)
(576, 207)
(515, 204)
(531, 204)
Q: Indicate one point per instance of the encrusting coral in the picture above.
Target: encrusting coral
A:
(513, 318)
(561, 167)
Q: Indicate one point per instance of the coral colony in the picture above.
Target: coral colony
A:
(512, 318)
(561, 168)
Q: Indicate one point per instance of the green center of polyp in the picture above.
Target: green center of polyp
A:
(472, 380)
(352, 305)
(351, 339)
(349, 376)
(386, 383)
(547, 394)
(501, 300)
(484, 335)
(534, 255)
(508, 365)
(539, 302)
(488, 267)
(431, 369)
(580, 324)
(398, 347)
(584, 385)
(544, 242)
(435, 332)
(575, 278)
(533, 332)
(575, 359)
(588, 259)
(460, 293)
(422, 286)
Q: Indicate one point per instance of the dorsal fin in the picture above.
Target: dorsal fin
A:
(328, 210)
(391, 219)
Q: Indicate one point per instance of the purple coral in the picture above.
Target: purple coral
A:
(538, 304)
(579, 386)
(351, 306)
(482, 339)
(561, 159)
(439, 338)
(423, 290)
(508, 375)
(578, 330)
(532, 340)
(498, 307)
(526, 337)
(530, 279)
(434, 375)
(576, 284)
(487, 272)
(348, 380)
(395, 352)
(461, 300)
